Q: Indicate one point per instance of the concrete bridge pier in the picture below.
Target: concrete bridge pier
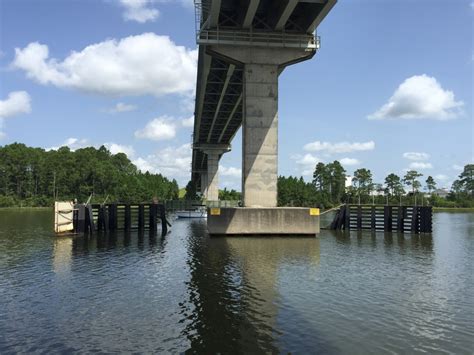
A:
(210, 179)
(260, 214)
(260, 116)
(204, 184)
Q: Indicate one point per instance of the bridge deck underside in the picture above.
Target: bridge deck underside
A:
(218, 113)
(221, 112)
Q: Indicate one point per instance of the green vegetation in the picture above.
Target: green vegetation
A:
(35, 177)
(229, 195)
(328, 189)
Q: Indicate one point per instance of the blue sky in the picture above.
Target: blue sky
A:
(390, 89)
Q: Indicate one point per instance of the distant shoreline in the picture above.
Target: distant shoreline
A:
(27, 208)
(435, 209)
(453, 209)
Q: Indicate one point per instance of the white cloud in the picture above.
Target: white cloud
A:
(161, 128)
(230, 171)
(441, 178)
(306, 163)
(188, 122)
(349, 161)
(416, 156)
(420, 165)
(16, 103)
(144, 165)
(172, 162)
(420, 96)
(457, 167)
(145, 64)
(122, 107)
(72, 143)
(139, 10)
(307, 159)
(115, 148)
(341, 147)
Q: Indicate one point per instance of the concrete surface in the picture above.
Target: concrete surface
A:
(263, 221)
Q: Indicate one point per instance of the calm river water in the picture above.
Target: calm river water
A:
(354, 293)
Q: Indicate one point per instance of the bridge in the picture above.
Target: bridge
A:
(243, 47)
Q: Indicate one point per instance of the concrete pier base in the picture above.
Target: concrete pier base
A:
(265, 221)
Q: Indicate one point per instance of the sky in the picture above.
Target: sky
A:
(390, 89)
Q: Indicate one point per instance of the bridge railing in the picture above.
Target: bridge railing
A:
(265, 39)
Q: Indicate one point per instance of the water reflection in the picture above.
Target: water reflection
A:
(234, 289)
(338, 293)
(62, 255)
(120, 240)
(423, 242)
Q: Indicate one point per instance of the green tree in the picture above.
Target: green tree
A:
(430, 184)
(190, 191)
(411, 179)
(363, 181)
(320, 177)
(229, 195)
(467, 179)
(336, 175)
(394, 185)
(35, 177)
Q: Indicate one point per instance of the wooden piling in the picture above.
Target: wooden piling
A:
(127, 220)
(359, 217)
(141, 217)
(112, 217)
(153, 218)
(387, 218)
(415, 219)
(373, 218)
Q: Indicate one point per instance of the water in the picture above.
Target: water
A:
(336, 294)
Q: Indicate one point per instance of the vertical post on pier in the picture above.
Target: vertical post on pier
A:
(127, 218)
(81, 218)
(359, 217)
(164, 222)
(347, 224)
(387, 218)
(141, 217)
(112, 217)
(102, 220)
(414, 220)
(153, 218)
(401, 218)
(90, 227)
(372, 218)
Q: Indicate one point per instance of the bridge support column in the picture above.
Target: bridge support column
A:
(212, 189)
(260, 136)
(204, 184)
(260, 116)
(210, 179)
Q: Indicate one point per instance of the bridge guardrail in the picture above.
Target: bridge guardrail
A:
(267, 39)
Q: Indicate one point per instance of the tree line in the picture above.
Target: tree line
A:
(328, 188)
(36, 177)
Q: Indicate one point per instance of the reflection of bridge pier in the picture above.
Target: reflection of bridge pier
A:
(234, 295)
(263, 263)
(243, 47)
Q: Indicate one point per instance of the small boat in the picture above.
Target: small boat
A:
(196, 213)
